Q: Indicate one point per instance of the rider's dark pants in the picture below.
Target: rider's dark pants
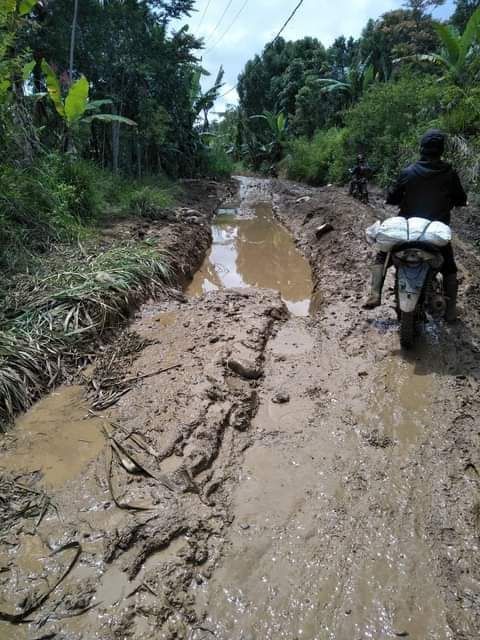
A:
(449, 265)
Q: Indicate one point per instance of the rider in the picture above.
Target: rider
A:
(429, 188)
(359, 172)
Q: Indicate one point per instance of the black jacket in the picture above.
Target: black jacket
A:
(428, 189)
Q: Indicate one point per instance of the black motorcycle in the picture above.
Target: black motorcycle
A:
(418, 286)
(359, 189)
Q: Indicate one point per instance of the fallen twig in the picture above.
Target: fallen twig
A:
(120, 505)
(140, 587)
(151, 374)
(131, 464)
(17, 618)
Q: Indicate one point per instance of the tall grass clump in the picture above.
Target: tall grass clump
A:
(149, 202)
(52, 321)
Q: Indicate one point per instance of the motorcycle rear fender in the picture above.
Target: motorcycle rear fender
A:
(411, 281)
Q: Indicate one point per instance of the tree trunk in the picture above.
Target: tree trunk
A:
(139, 159)
(72, 40)
(115, 145)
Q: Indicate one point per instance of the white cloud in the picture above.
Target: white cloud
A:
(262, 19)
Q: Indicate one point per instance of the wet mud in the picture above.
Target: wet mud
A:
(268, 474)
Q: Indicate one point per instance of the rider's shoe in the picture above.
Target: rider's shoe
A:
(375, 297)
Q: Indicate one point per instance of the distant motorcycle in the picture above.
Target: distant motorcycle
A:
(418, 286)
(359, 189)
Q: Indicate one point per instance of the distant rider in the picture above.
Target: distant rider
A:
(360, 174)
(429, 188)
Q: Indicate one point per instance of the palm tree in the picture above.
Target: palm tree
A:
(457, 49)
(357, 79)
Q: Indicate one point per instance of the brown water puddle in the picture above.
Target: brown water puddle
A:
(55, 437)
(400, 405)
(251, 249)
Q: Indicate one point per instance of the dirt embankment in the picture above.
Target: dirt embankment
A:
(183, 233)
(265, 476)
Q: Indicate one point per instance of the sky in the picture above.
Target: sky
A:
(235, 30)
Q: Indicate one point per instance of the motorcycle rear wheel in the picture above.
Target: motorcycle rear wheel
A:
(407, 329)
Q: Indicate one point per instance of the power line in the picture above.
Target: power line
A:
(204, 14)
(229, 4)
(285, 24)
(289, 19)
(237, 15)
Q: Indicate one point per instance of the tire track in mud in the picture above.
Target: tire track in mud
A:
(188, 427)
(358, 504)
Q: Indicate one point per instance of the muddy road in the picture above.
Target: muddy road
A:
(277, 468)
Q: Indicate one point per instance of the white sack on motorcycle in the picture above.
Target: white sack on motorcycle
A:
(398, 230)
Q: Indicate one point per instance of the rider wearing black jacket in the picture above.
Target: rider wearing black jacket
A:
(429, 188)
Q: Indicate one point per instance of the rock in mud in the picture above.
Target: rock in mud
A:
(246, 369)
(323, 230)
(281, 398)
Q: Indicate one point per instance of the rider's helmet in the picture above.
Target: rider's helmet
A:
(360, 158)
(432, 144)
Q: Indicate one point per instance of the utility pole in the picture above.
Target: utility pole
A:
(72, 40)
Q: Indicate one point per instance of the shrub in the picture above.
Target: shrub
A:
(215, 161)
(319, 160)
(388, 121)
(61, 199)
(150, 202)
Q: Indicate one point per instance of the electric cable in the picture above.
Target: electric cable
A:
(237, 15)
(284, 26)
(289, 19)
(204, 14)
(229, 4)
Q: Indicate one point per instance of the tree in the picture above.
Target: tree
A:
(397, 34)
(457, 48)
(420, 8)
(133, 57)
(464, 9)
(357, 79)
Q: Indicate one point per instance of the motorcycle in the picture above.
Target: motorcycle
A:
(359, 189)
(418, 286)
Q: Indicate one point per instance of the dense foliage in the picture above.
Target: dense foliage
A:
(96, 99)
(374, 95)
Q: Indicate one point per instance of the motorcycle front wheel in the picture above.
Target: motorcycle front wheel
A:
(407, 329)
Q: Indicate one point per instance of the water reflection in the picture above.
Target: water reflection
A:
(255, 252)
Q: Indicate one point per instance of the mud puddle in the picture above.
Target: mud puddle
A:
(251, 249)
(56, 438)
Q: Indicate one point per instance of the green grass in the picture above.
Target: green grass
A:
(316, 161)
(58, 199)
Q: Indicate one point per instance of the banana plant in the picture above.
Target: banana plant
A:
(278, 133)
(456, 49)
(75, 107)
(277, 123)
